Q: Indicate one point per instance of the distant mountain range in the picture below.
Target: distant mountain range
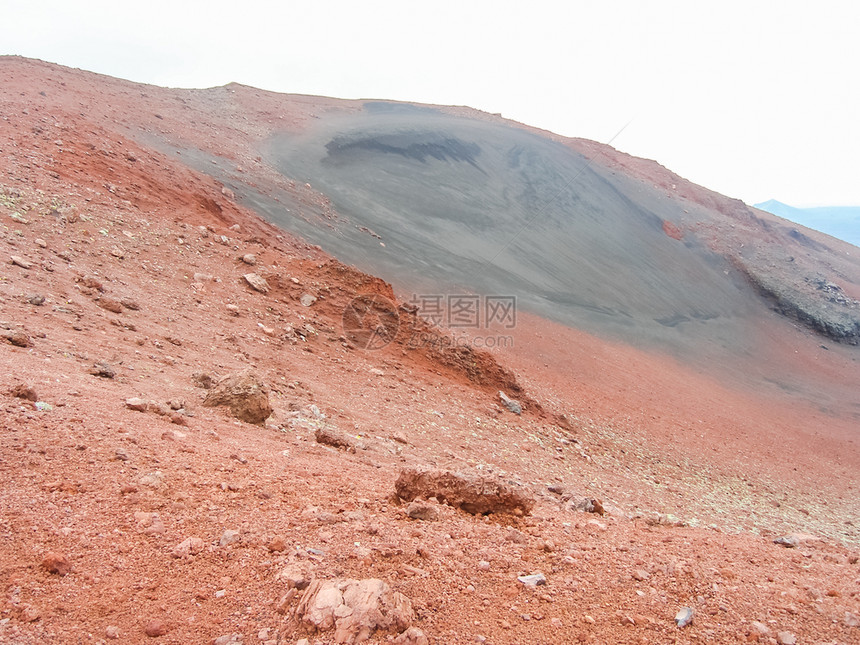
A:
(839, 221)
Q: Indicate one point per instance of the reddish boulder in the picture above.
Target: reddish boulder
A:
(244, 394)
(476, 494)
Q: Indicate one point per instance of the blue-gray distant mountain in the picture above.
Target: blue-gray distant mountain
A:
(842, 222)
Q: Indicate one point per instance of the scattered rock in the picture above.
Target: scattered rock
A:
(295, 578)
(130, 304)
(533, 580)
(137, 404)
(150, 523)
(244, 394)
(277, 544)
(228, 537)
(412, 636)
(22, 391)
(103, 370)
(40, 243)
(257, 282)
(788, 541)
(511, 404)
(472, 493)
(112, 632)
(18, 337)
(354, 609)
(155, 628)
(37, 299)
(852, 620)
(421, 510)
(201, 379)
(307, 300)
(641, 575)
(564, 422)
(152, 480)
(56, 563)
(29, 613)
(760, 628)
(250, 259)
(331, 436)
(588, 505)
(786, 638)
(228, 639)
(109, 304)
(684, 617)
(188, 547)
(21, 262)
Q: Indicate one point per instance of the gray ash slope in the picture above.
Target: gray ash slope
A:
(452, 200)
(466, 206)
(437, 202)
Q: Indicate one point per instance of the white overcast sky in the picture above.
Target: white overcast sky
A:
(753, 99)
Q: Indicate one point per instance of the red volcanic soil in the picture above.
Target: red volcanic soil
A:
(127, 282)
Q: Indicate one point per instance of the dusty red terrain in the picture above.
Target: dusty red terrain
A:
(129, 264)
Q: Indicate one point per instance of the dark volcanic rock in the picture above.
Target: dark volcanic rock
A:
(815, 302)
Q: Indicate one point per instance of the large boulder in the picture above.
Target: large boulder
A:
(354, 609)
(476, 494)
(244, 394)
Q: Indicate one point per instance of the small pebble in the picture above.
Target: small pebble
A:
(684, 617)
(533, 580)
(21, 262)
(786, 638)
(56, 563)
(155, 628)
